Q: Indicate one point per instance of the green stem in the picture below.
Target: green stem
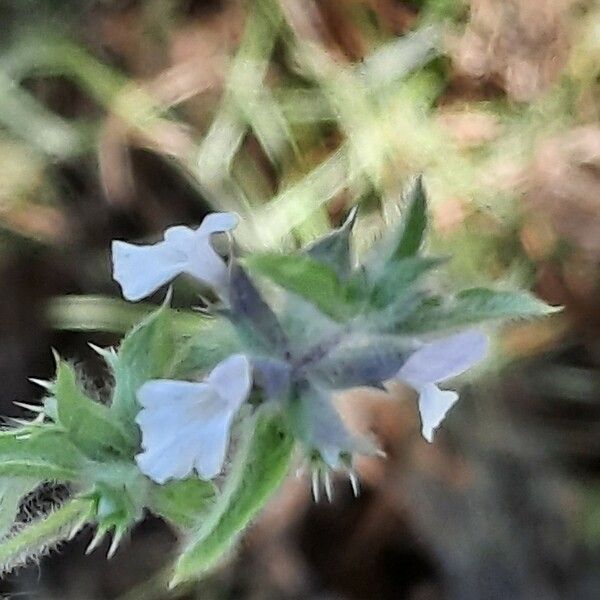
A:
(112, 315)
(37, 537)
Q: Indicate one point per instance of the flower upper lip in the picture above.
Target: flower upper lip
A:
(141, 269)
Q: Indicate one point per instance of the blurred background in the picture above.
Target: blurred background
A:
(119, 118)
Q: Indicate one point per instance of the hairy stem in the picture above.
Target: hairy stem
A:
(39, 536)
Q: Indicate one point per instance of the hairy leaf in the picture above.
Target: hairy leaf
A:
(333, 249)
(214, 341)
(12, 491)
(414, 223)
(89, 424)
(145, 353)
(305, 277)
(259, 467)
(41, 453)
(38, 536)
(474, 306)
(182, 502)
(405, 240)
(397, 280)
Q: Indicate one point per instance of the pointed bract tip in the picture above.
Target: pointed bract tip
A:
(77, 527)
(316, 486)
(56, 356)
(328, 486)
(168, 297)
(114, 545)
(175, 581)
(108, 354)
(47, 385)
(96, 540)
(35, 408)
(354, 482)
(351, 218)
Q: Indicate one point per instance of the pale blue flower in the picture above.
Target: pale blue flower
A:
(141, 270)
(186, 425)
(436, 362)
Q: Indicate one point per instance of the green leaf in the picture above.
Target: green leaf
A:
(305, 277)
(396, 282)
(145, 353)
(474, 306)
(415, 222)
(12, 491)
(89, 424)
(259, 467)
(333, 249)
(405, 240)
(182, 502)
(214, 341)
(41, 453)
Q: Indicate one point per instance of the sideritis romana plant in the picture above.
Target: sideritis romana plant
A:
(203, 424)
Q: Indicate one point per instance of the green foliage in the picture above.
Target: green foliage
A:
(413, 227)
(474, 306)
(183, 502)
(333, 249)
(214, 340)
(259, 467)
(30, 456)
(39, 536)
(146, 352)
(397, 282)
(89, 425)
(41, 453)
(11, 492)
(312, 280)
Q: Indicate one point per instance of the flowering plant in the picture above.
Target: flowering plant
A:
(202, 424)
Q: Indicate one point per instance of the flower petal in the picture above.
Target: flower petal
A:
(433, 406)
(203, 262)
(443, 359)
(212, 446)
(141, 270)
(232, 380)
(180, 237)
(184, 426)
(218, 222)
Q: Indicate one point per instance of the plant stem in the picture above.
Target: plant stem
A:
(41, 535)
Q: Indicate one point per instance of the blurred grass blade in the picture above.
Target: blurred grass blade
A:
(112, 315)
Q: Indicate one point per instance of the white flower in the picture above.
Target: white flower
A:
(141, 270)
(436, 362)
(186, 425)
